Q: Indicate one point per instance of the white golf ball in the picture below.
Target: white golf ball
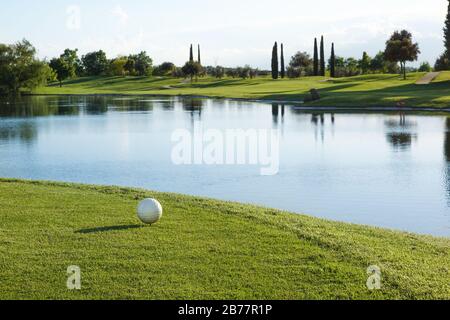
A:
(149, 211)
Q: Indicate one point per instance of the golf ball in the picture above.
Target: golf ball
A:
(149, 211)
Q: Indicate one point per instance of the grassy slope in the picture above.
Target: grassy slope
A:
(368, 90)
(201, 249)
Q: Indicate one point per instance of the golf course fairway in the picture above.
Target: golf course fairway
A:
(201, 249)
(358, 92)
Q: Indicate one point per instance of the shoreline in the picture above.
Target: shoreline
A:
(297, 104)
(127, 189)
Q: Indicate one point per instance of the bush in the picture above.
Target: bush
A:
(300, 65)
(164, 69)
(216, 72)
(177, 73)
(442, 63)
(425, 67)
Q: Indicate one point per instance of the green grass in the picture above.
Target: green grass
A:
(201, 249)
(379, 90)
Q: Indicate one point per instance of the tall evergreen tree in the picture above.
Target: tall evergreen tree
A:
(191, 54)
(275, 72)
(447, 33)
(322, 58)
(199, 57)
(283, 68)
(316, 58)
(332, 62)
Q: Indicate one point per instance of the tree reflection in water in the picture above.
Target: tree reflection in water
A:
(447, 159)
(399, 133)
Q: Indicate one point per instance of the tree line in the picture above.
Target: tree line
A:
(20, 69)
(69, 65)
(400, 49)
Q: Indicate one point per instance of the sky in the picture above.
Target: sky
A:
(231, 33)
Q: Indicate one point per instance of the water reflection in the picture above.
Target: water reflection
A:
(447, 140)
(275, 114)
(25, 132)
(400, 141)
(350, 176)
(399, 133)
(447, 158)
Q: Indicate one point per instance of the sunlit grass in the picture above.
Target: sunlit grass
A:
(201, 249)
(360, 91)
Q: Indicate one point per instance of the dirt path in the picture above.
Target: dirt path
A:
(428, 78)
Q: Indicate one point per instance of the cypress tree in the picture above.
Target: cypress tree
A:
(332, 62)
(447, 32)
(316, 58)
(322, 58)
(275, 61)
(191, 54)
(283, 69)
(199, 57)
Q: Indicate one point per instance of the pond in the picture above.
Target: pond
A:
(388, 170)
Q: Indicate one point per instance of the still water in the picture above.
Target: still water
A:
(387, 170)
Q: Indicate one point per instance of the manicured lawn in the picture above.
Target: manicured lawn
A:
(359, 91)
(201, 249)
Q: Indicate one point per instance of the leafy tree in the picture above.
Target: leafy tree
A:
(425, 67)
(117, 66)
(351, 67)
(345, 67)
(20, 69)
(380, 65)
(243, 72)
(275, 62)
(218, 72)
(177, 73)
(283, 68)
(164, 69)
(322, 57)
(192, 69)
(301, 64)
(400, 48)
(253, 73)
(316, 58)
(339, 66)
(332, 62)
(95, 63)
(199, 56)
(129, 66)
(74, 63)
(365, 63)
(143, 64)
(442, 63)
(67, 66)
(61, 68)
(231, 72)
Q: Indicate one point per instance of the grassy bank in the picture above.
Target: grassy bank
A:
(360, 91)
(201, 249)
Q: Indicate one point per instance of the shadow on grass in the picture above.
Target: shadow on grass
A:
(109, 229)
(80, 80)
(218, 83)
(342, 94)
